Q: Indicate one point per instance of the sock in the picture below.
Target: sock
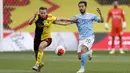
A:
(83, 58)
(112, 43)
(120, 43)
(39, 57)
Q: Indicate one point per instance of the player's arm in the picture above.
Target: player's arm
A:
(63, 23)
(67, 19)
(123, 17)
(101, 17)
(33, 18)
(108, 18)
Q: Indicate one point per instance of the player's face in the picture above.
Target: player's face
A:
(115, 4)
(43, 13)
(82, 8)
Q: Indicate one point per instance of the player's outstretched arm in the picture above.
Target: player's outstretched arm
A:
(67, 19)
(63, 23)
(33, 18)
(101, 17)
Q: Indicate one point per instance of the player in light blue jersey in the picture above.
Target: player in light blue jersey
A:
(84, 22)
(86, 34)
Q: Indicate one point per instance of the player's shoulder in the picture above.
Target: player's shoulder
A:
(50, 15)
(77, 15)
(111, 9)
(121, 9)
(90, 15)
(87, 14)
(114, 9)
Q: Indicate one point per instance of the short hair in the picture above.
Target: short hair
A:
(115, 0)
(84, 2)
(42, 8)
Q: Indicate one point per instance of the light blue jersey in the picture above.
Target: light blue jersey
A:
(85, 24)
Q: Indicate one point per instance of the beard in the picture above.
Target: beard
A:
(82, 11)
(115, 6)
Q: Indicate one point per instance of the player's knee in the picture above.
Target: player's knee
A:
(41, 47)
(84, 49)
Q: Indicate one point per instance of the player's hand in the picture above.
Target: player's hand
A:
(106, 26)
(99, 11)
(124, 25)
(35, 14)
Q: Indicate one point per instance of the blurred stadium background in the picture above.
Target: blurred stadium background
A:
(18, 36)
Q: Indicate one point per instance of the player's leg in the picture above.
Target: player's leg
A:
(36, 46)
(113, 34)
(121, 49)
(85, 52)
(119, 33)
(112, 46)
(40, 54)
(90, 55)
(79, 49)
(42, 45)
(120, 40)
(36, 52)
(79, 55)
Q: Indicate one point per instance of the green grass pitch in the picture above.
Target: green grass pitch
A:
(102, 62)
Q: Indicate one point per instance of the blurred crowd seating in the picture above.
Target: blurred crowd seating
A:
(8, 6)
(106, 2)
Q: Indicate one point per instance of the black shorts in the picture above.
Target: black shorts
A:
(37, 43)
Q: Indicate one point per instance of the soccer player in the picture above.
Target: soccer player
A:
(43, 22)
(117, 15)
(84, 22)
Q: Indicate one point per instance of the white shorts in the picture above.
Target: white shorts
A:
(88, 42)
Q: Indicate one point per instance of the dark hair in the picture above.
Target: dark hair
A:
(84, 2)
(42, 8)
(115, 0)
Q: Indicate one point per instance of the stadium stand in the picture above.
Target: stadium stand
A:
(105, 2)
(8, 8)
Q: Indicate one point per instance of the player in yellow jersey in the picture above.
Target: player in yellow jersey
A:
(43, 22)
